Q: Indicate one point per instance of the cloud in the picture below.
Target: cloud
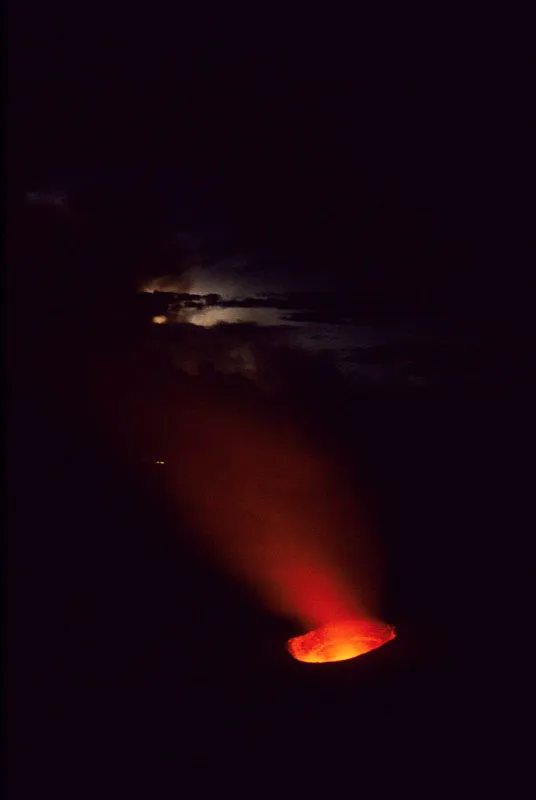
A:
(321, 316)
(243, 349)
(274, 309)
(280, 301)
(171, 284)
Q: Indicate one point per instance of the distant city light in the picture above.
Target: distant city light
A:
(159, 462)
(160, 319)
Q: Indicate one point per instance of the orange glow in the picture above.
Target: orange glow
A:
(160, 319)
(280, 514)
(340, 641)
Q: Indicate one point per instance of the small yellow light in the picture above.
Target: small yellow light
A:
(161, 319)
(159, 462)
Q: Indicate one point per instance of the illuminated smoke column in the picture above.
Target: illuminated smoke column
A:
(279, 515)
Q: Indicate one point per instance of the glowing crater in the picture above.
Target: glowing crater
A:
(340, 641)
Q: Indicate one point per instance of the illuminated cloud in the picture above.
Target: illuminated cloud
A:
(208, 317)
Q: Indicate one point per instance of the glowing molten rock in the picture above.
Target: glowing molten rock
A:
(340, 641)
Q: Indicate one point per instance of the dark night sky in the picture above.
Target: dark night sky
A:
(396, 152)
